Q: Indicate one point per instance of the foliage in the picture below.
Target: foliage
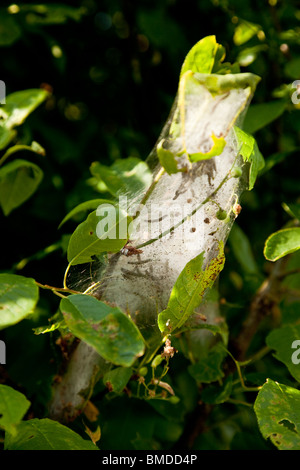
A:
(97, 83)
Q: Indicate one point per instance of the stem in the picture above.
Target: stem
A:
(238, 367)
(65, 276)
(4, 158)
(56, 290)
(151, 187)
(239, 402)
(149, 356)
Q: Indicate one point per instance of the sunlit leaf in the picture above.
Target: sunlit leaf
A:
(189, 290)
(89, 239)
(248, 55)
(250, 152)
(18, 298)
(13, 406)
(244, 32)
(20, 104)
(282, 243)
(201, 57)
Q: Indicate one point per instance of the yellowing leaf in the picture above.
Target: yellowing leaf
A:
(91, 411)
(189, 290)
(216, 149)
(94, 435)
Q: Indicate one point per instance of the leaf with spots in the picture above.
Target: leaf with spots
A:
(105, 230)
(277, 408)
(18, 298)
(189, 290)
(107, 329)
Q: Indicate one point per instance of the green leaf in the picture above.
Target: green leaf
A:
(216, 149)
(10, 31)
(41, 330)
(201, 57)
(51, 14)
(250, 152)
(19, 179)
(189, 290)
(34, 147)
(167, 159)
(242, 250)
(262, 114)
(282, 243)
(281, 340)
(293, 210)
(46, 434)
(20, 104)
(17, 108)
(117, 379)
(208, 369)
(248, 55)
(218, 84)
(18, 298)
(206, 57)
(91, 237)
(244, 32)
(13, 406)
(198, 93)
(275, 159)
(6, 136)
(195, 322)
(92, 204)
(277, 408)
(129, 176)
(107, 329)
